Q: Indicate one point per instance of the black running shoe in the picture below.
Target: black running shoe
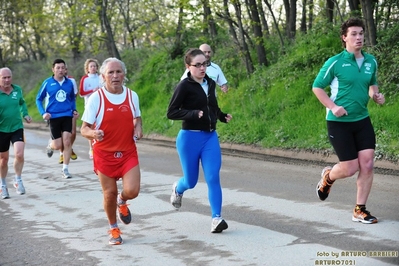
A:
(218, 225)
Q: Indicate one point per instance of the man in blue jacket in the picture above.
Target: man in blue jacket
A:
(59, 107)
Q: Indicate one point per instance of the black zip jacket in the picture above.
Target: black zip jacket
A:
(189, 98)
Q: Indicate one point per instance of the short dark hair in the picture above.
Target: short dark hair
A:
(191, 53)
(58, 61)
(352, 22)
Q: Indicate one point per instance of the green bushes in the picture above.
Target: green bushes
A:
(275, 106)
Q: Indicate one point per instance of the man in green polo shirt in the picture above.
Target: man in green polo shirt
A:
(11, 130)
(351, 76)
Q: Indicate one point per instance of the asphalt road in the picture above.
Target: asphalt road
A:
(270, 204)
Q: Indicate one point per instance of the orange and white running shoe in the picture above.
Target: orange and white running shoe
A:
(323, 187)
(115, 236)
(360, 214)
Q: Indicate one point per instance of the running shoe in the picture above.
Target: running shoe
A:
(175, 198)
(61, 160)
(115, 236)
(49, 150)
(66, 174)
(91, 154)
(4, 192)
(73, 155)
(19, 186)
(124, 213)
(218, 225)
(323, 187)
(362, 215)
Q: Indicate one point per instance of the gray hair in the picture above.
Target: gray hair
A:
(5, 68)
(104, 67)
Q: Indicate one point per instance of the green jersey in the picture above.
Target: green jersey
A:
(349, 84)
(11, 107)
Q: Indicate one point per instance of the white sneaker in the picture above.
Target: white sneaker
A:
(66, 174)
(4, 192)
(49, 150)
(218, 225)
(175, 198)
(19, 186)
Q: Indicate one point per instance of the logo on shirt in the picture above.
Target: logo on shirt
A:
(346, 65)
(118, 155)
(124, 108)
(61, 96)
(14, 95)
(110, 109)
(367, 68)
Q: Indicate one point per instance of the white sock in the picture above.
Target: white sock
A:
(120, 200)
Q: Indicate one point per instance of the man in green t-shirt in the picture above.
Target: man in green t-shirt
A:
(11, 130)
(351, 76)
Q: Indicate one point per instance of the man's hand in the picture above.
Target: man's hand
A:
(75, 114)
(339, 111)
(46, 116)
(28, 119)
(379, 98)
(224, 88)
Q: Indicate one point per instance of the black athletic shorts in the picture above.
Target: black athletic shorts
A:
(59, 125)
(6, 138)
(348, 138)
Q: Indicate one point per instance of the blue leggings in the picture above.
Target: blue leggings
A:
(196, 146)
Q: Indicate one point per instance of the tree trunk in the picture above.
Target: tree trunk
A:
(2, 63)
(387, 15)
(292, 23)
(290, 20)
(354, 6)
(245, 51)
(275, 24)
(177, 49)
(229, 21)
(265, 26)
(124, 10)
(208, 20)
(106, 27)
(287, 16)
(303, 18)
(368, 10)
(336, 3)
(311, 10)
(330, 10)
(260, 48)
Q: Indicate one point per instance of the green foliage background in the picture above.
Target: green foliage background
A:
(274, 107)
